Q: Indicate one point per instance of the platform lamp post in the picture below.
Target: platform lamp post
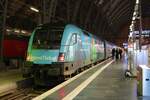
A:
(140, 23)
(3, 12)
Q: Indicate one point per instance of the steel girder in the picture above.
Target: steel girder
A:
(3, 15)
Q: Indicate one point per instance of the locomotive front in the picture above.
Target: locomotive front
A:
(43, 53)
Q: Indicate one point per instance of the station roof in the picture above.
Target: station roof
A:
(104, 18)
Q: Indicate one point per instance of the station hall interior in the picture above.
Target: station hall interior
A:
(74, 49)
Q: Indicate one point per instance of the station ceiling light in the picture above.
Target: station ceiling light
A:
(34, 9)
(23, 31)
(8, 30)
(137, 1)
(17, 30)
(135, 15)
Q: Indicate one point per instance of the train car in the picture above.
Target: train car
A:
(108, 49)
(56, 52)
(14, 49)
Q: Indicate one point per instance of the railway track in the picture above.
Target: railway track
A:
(20, 94)
(21, 90)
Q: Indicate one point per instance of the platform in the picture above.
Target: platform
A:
(9, 76)
(104, 82)
(8, 79)
(110, 85)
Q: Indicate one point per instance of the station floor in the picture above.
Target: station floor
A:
(9, 79)
(10, 76)
(110, 84)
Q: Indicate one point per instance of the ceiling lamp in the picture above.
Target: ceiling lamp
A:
(34, 9)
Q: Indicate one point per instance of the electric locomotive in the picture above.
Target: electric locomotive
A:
(57, 53)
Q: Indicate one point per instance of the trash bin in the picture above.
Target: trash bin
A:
(143, 77)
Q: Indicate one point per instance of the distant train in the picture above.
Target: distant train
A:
(14, 49)
(56, 52)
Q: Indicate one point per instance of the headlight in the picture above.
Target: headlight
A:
(28, 58)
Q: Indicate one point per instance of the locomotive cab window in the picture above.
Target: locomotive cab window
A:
(86, 33)
(47, 38)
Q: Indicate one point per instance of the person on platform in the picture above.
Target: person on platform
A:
(117, 53)
(113, 53)
(120, 53)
